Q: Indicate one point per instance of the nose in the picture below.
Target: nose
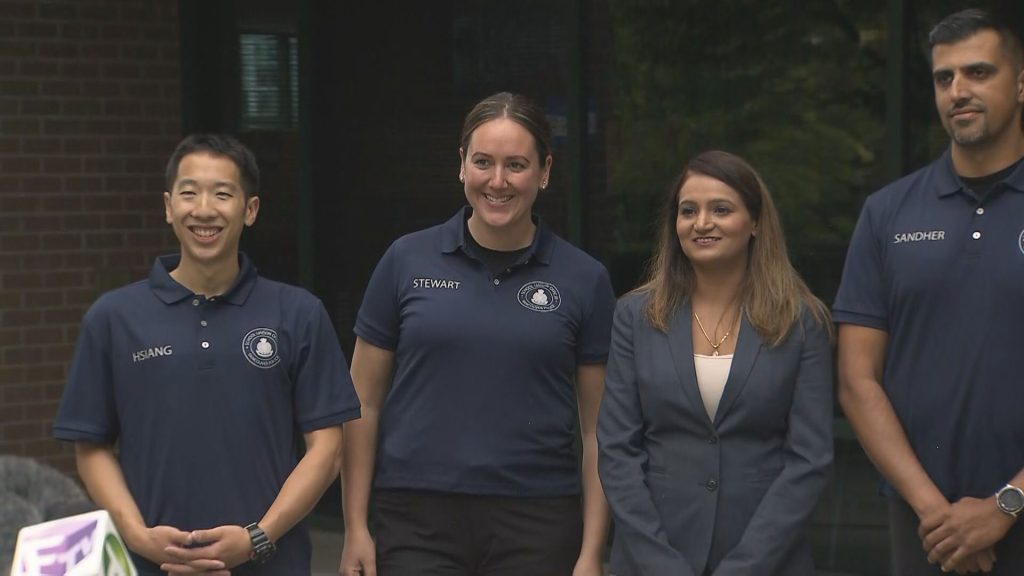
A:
(703, 221)
(959, 90)
(203, 206)
(498, 178)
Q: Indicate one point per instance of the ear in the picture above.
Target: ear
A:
(252, 207)
(545, 175)
(462, 165)
(167, 208)
(1020, 86)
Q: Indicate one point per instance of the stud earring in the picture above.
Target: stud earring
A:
(462, 178)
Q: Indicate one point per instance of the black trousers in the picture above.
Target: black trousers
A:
(909, 558)
(423, 533)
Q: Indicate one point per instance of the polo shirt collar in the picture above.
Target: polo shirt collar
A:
(453, 236)
(169, 291)
(947, 182)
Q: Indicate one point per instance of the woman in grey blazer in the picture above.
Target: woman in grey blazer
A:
(715, 429)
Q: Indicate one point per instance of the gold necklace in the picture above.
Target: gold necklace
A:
(714, 346)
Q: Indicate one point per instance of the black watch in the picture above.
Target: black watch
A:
(262, 548)
(1010, 500)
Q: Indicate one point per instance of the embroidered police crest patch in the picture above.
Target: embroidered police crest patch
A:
(540, 296)
(260, 348)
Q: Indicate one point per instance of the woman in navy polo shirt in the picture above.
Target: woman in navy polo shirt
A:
(716, 424)
(479, 342)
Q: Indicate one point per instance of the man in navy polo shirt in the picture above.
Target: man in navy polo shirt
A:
(208, 378)
(931, 341)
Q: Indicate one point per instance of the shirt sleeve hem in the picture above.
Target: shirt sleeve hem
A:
(844, 317)
(332, 419)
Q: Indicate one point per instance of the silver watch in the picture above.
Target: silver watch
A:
(1010, 500)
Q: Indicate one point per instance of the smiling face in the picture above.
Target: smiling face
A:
(502, 174)
(979, 90)
(713, 224)
(207, 208)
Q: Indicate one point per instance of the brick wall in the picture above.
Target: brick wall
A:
(89, 110)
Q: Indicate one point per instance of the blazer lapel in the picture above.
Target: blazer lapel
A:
(680, 342)
(747, 348)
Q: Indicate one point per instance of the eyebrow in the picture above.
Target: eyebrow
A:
(216, 184)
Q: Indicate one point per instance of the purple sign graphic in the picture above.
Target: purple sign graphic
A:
(56, 549)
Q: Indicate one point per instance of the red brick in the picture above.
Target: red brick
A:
(103, 12)
(123, 184)
(79, 297)
(46, 445)
(61, 203)
(43, 68)
(12, 413)
(61, 316)
(82, 145)
(100, 51)
(83, 107)
(87, 184)
(42, 223)
(37, 107)
(140, 51)
(47, 334)
(19, 87)
(22, 431)
(62, 165)
(9, 106)
(79, 69)
(160, 33)
(124, 259)
(142, 127)
(20, 10)
(79, 31)
(62, 353)
(132, 146)
(162, 71)
(19, 165)
(18, 242)
(42, 184)
(15, 49)
(22, 280)
(43, 372)
(101, 202)
(149, 239)
(103, 127)
(41, 261)
(102, 165)
(58, 49)
(41, 145)
(147, 166)
(10, 223)
(147, 202)
(103, 240)
(83, 221)
(122, 71)
(9, 145)
(122, 221)
(36, 29)
(11, 126)
(122, 32)
(101, 89)
(64, 279)
(85, 260)
(10, 376)
(122, 108)
(24, 355)
(62, 126)
(19, 203)
(7, 68)
(62, 88)
(142, 91)
(61, 241)
(9, 299)
(10, 337)
(58, 11)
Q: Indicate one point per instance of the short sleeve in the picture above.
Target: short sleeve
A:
(596, 328)
(861, 296)
(324, 394)
(88, 410)
(377, 320)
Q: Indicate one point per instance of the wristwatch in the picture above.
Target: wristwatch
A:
(1010, 500)
(262, 548)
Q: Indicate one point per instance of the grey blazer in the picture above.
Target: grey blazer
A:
(731, 497)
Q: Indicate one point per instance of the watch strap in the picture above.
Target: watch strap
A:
(262, 548)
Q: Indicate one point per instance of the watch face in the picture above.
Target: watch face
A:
(1011, 500)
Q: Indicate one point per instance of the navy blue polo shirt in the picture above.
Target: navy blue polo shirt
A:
(207, 399)
(942, 271)
(483, 398)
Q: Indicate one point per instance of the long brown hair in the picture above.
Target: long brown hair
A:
(772, 296)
